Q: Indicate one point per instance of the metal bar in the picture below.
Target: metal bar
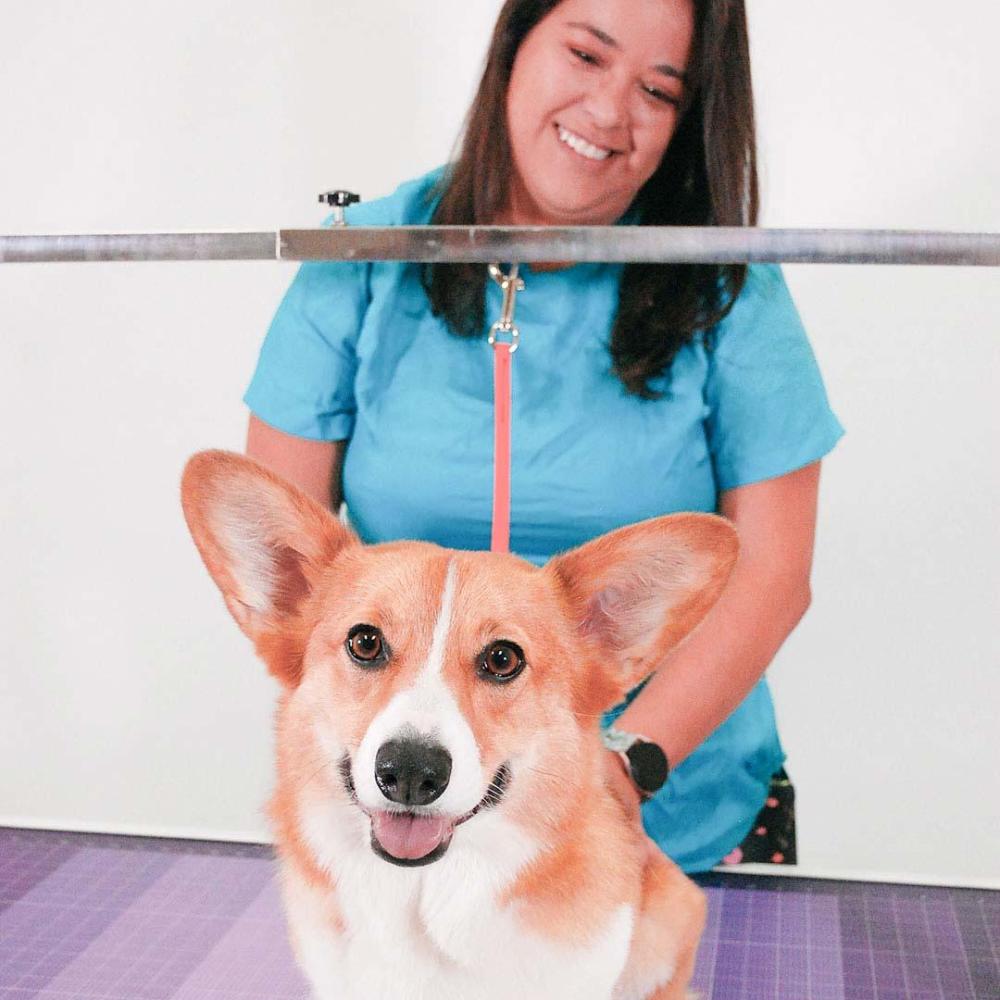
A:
(138, 247)
(651, 244)
(485, 244)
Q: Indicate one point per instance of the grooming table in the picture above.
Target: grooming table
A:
(137, 918)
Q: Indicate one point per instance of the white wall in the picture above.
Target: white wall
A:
(129, 701)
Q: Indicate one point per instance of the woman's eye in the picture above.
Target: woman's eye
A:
(585, 57)
(501, 661)
(366, 645)
(662, 96)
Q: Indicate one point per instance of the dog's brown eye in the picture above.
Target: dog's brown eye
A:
(502, 660)
(366, 645)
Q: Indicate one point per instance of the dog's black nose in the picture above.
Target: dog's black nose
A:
(412, 772)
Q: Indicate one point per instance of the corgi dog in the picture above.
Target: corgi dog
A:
(443, 819)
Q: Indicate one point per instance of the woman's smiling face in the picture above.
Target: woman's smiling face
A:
(593, 102)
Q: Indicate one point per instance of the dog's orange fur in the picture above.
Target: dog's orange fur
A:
(592, 623)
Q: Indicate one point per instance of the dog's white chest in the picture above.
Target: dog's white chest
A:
(438, 933)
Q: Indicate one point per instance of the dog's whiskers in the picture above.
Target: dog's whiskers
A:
(543, 772)
(321, 763)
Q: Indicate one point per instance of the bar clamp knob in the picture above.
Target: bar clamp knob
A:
(338, 201)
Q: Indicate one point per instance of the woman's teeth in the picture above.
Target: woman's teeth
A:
(581, 146)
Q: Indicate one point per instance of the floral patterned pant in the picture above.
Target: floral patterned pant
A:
(771, 839)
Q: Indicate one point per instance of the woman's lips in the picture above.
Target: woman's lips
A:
(583, 147)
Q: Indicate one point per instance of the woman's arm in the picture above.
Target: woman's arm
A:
(708, 675)
(313, 466)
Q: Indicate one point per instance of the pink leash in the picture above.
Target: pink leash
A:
(503, 352)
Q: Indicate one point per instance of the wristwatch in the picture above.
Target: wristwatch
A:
(645, 762)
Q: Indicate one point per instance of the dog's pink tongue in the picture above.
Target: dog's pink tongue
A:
(404, 835)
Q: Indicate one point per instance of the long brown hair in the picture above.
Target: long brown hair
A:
(708, 177)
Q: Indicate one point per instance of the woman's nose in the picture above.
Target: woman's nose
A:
(607, 102)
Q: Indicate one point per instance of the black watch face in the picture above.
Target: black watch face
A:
(648, 764)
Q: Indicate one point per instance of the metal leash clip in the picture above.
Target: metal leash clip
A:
(510, 284)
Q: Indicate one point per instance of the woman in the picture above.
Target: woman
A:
(638, 390)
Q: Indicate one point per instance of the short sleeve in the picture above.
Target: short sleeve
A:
(768, 408)
(304, 380)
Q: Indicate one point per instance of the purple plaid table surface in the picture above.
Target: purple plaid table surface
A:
(137, 918)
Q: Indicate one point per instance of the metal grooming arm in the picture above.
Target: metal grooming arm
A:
(487, 244)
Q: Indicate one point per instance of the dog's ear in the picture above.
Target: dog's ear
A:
(264, 542)
(638, 591)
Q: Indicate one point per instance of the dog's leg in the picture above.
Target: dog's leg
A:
(665, 942)
(677, 989)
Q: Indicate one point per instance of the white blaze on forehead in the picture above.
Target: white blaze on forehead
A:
(439, 640)
(428, 710)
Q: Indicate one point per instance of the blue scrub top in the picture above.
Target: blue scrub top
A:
(355, 354)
